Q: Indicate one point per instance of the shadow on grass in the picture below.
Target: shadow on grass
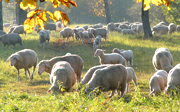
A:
(40, 82)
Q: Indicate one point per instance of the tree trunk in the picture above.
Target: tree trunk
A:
(21, 15)
(1, 16)
(107, 12)
(145, 21)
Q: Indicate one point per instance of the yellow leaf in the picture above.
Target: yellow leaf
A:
(43, 16)
(51, 16)
(40, 22)
(146, 5)
(55, 3)
(32, 13)
(7, 1)
(138, 1)
(29, 25)
(57, 14)
(22, 6)
(65, 20)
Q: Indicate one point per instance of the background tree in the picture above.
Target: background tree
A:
(1, 16)
(107, 11)
(21, 15)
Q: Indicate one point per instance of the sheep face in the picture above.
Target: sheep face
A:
(55, 90)
(13, 59)
(61, 34)
(42, 67)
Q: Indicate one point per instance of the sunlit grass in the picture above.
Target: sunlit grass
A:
(29, 95)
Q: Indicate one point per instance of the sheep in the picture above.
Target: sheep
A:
(127, 54)
(25, 58)
(85, 27)
(96, 26)
(128, 31)
(162, 23)
(160, 29)
(76, 26)
(131, 76)
(59, 24)
(66, 33)
(158, 82)
(43, 36)
(162, 59)
(6, 24)
(118, 29)
(173, 83)
(178, 28)
(75, 61)
(123, 26)
(97, 42)
(76, 32)
(91, 36)
(2, 32)
(50, 27)
(11, 39)
(117, 24)
(113, 58)
(68, 54)
(62, 73)
(113, 77)
(171, 28)
(19, 29)
(101, 31)
(84, 35)
(110, 26)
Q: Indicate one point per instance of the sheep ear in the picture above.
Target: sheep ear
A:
(49, 91)
(47, 65)
(17, 57)
(103, 50)
(8, 58)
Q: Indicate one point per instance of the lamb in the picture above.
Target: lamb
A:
(131, 76)
(101, 31)
(171, 28)
(19, 29)
(76, 32)
(128, 31)
(158, 82)
(43, 36)
(84, 36)
(66, 33)
(24, 59)
(97, 42)
(113, 58)
(162, 59)
(160, 29)
(173, 83)
(62, 73)
(110, 26)
(2, 32)
(75, 61)
(11, 39)
(113, 77)
(127, 54)
(50, 27)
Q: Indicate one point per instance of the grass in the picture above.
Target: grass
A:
(29, 95)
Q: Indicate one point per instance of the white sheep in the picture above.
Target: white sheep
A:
(19, 29)
(131, 76)
(50, 27)
(173, 83)
(178, 28)
(128, 31)
(113, 77)
(160, 29)
(85, 27)
(171, 28)
(110, 26)
(158, 82)
(100, 31)
(112, 58)
(118, 29)
(67, 54)
(24, 59)
(43, 36)
(66, 33)
(11, 39)
(84, 36)
(62, 77)
(59, 24)
(162, 59)
(127, 54)
(76, 32)
(97, 42)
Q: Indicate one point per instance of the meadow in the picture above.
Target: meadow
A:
(27, 95)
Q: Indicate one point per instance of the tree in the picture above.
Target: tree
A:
(20, 14)
(107, 11)
(1, 19)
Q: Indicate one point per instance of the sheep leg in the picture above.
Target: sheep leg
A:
(33, 72)
(112, 93)
(123, 87)
(135, 81)
(18, 75)
(28, 73)
(25, 73)
(127, 87)
(131, 62)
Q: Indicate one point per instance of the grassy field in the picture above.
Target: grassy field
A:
(27, 95)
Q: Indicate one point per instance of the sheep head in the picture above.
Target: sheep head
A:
(13, 59)
(98, 52)
(42, 67)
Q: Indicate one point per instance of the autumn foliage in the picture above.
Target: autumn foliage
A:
(155, 2)
(39, 16)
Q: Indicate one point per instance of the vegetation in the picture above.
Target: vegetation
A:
(29, 95)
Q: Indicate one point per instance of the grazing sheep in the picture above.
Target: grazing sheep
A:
(162, 59)
(178, 28)
(110, 26)
(128, 31)
(66, 33)
(24, 59)
(100, 31)
(6, 24)
(84, 35)
(131, 76)
(118, 29)
(75, 61)
(97, 42)
(127, 54)
(160, 29)
(173, 83)
(50, 27)
(171, 28)
(62, 73)
(43, 36)
(158, 82)
(85, 27)
(76, 32)
(113, 77)
(113, 58)
(2, 32)
(11, 39)
(19, 29)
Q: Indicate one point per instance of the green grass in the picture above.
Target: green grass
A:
(29, 95)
